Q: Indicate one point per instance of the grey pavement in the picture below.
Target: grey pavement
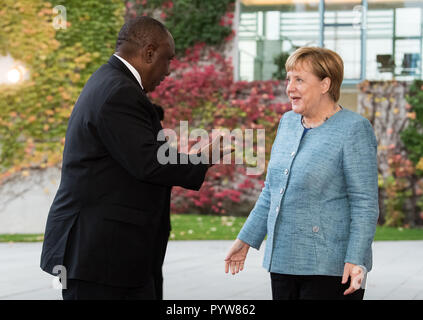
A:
(195, 270)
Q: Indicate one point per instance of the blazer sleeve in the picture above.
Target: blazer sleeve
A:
(125, 128)
(361, 176)
(255, 228)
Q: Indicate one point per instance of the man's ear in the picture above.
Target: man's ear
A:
(325, 85)
(149, 52)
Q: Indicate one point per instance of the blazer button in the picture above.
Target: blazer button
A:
(316, 229)
(286, 171)
(277, 209)
(292, 153)
(282, 190)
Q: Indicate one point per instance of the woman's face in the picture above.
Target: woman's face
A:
(304, 89)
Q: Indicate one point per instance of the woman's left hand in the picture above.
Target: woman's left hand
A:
(356, 274)
(236, 256)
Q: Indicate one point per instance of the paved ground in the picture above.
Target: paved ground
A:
(194, 270)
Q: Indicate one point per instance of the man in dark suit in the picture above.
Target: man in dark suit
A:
(160, 111)
(109, 222)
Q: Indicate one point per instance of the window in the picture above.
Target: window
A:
(376, 39)
(394, 40)
(265, 32)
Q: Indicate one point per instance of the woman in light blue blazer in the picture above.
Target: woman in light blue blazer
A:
(319, 204)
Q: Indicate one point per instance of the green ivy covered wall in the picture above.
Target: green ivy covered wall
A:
(190, 21)
(35, 112)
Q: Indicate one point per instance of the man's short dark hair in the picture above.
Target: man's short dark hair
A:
(141, 31)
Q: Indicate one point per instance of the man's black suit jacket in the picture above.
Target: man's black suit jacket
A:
(114, 197)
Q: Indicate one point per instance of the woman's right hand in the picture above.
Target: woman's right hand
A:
(236, 257)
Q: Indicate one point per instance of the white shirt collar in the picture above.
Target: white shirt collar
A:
(131, 68)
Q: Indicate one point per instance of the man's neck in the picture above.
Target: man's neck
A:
(131, 67)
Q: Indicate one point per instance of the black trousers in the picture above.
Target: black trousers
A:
(295, 287)
(152, 290)
(85, 290)
(158, 265)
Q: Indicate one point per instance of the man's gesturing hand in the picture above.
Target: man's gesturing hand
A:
(218, 144)
(236, 257)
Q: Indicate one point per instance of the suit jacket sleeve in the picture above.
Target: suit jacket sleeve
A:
(361, 176)
(125, 128)
(255, 228)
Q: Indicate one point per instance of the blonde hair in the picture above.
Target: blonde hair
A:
(323, 62)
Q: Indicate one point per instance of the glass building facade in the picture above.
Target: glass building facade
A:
(378, 40)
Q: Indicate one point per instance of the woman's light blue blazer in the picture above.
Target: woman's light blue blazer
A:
(319, 205)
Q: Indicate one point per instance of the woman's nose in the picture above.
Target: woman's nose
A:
(289, 87)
